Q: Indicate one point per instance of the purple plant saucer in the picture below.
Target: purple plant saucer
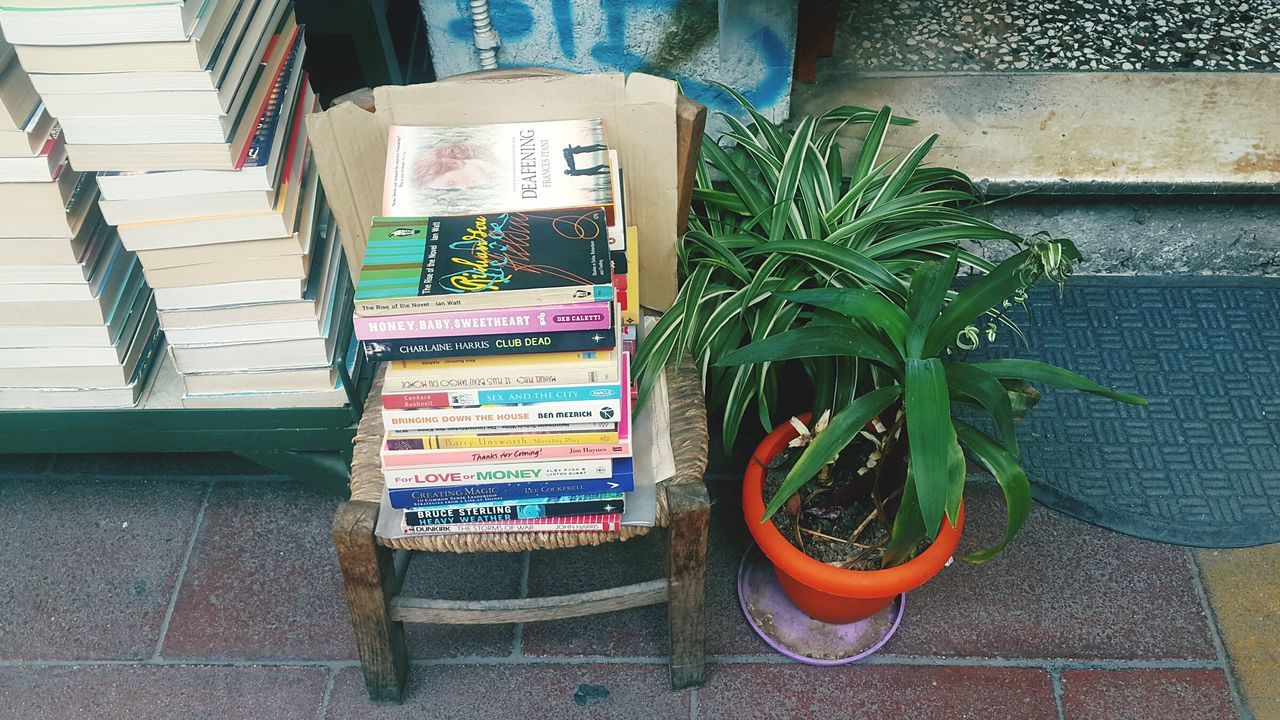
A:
(798, 636)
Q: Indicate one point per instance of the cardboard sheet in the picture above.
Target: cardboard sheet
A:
(640, 115)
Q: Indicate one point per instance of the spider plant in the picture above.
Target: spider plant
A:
(788, 213)
(918, 376)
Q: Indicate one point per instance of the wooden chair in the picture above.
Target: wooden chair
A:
(373, 568)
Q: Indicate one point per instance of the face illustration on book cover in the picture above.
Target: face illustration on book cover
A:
(500, 167)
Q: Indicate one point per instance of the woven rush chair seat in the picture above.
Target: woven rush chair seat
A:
(688, 432)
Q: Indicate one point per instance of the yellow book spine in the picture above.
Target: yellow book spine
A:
(458, 442)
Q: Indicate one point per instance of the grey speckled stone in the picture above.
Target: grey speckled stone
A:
(87, 567)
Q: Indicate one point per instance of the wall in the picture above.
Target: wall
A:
(746, 44)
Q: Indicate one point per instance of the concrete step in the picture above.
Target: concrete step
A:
(1068, 132)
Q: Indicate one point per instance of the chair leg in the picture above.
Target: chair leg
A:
(690, 509)
(368, 574)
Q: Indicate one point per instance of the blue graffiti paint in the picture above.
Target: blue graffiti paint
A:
(612, 52)
(562, 14)
(513, 19)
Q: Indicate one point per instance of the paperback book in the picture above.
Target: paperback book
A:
(605, 503)
(484, 261)
(496, 168)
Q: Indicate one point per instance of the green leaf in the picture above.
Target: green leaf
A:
(986, 390)
(860, 305)
(849, 261)
(977, 299)
(934, 454)
(841, 430)
(1013, 481)
(871, 145)
(928, 292)
(908, 526)
(1036, 371)
(788, 182)
(813, 341)
(903, 173)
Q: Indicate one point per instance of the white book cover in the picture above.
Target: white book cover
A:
(496, 168)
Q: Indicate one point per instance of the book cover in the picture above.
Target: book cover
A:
(430, 441)
(515, 344)
(552, 318)
(573, 523)
(483, 261)
(601, 504)
(434, 496)
(497, 167)
(411, 458)
(467, 397)
(533, 415)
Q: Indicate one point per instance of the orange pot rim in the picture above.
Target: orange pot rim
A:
(819, 575)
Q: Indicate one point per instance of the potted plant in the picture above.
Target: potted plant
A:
(915, 415)
(849, 268)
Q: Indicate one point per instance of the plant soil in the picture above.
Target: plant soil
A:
(824, 533)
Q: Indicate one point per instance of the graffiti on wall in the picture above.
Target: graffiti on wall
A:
(746, 44)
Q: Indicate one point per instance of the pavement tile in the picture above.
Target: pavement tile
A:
(1062, 589)
(168, 465)
(527, 692)
(160, 692)
(1241, 586)
(87, 567)
(883, 692)
(727, 630)
(263, 583)
(1145, 694)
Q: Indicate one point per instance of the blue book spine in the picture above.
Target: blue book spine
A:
(520, 396)
(419, 497)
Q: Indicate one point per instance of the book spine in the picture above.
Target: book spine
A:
(555, 318)
(534, 415)
(510, 429)
(417, 497)
(430, 380)
(572, 295)
(499, 473)
(498, 396)
(461, 442)
(506, 512)
(515, 344)
(464, 456)
(573, 523)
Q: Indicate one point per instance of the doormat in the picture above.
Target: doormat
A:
(1200, 465)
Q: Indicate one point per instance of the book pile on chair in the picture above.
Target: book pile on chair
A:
(500, 288)
(192, 114)
(77, 322)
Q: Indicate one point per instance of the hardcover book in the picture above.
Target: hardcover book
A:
(485, 261)
(492, 168)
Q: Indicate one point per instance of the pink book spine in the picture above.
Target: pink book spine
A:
(547, 318)
(468, 456)
(624, 419)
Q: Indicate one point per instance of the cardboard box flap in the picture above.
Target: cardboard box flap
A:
(639, 112)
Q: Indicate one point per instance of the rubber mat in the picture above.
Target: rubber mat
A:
(1200, 465)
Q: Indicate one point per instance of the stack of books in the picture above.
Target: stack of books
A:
(193, 115)
(492, 290)
(77, 321)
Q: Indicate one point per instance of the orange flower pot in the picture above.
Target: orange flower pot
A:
(833, 595)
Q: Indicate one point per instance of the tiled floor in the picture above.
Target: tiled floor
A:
(191, 587)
